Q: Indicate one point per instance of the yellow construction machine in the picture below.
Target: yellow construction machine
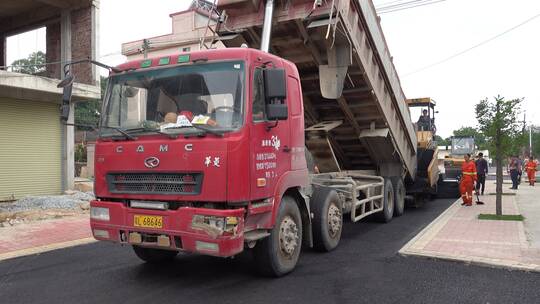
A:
(427, 175)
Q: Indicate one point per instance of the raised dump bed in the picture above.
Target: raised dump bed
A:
(355, 111)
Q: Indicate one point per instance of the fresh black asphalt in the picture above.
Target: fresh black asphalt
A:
(365, 268)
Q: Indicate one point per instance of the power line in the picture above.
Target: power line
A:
(409, 7)
(399, 6)
(391, 3)
(473, 47)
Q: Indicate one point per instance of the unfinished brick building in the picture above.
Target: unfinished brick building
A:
(36, 149)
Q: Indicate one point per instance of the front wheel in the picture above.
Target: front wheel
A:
(278, 254)
(153, 255)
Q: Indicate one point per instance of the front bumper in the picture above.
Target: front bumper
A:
(177, 227)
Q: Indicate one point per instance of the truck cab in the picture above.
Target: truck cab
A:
(197, 149)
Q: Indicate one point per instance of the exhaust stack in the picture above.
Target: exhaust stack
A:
(267, 26)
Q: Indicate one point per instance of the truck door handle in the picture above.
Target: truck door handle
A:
(286, 149)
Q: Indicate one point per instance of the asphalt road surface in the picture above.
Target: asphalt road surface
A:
(365, 268)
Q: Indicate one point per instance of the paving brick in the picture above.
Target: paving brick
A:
(43, 233)
(458, 235)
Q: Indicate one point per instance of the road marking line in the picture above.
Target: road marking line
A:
(45, 248)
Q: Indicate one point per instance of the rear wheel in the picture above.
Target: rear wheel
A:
(278, 254)
(387, 213)
(153, 255)
(399, 196)
(327, 219)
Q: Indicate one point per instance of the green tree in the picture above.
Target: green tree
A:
(442, 142)
(479, 137)
(89, 112)
(498, 121)
(535, 139)
(33, 64)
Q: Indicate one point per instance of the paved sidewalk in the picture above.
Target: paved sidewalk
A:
(42, 236)
(457, 234)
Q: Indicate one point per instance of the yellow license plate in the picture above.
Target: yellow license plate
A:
(148, 221)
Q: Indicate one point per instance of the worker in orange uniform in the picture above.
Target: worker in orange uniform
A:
(468, 169)
(530, 167)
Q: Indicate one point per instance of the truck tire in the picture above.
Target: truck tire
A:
(153, 255)
(399, 196)
(387, 213)
(327, 219)
(277, 254)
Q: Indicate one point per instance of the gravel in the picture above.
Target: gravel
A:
(72, 200)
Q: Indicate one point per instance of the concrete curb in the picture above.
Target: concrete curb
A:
(45, 248)
(479, 261)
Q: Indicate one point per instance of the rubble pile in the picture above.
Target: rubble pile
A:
(42, 207)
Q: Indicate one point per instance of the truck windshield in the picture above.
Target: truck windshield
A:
(462, 145)
(176, 100)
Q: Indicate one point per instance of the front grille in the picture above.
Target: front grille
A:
(155, 183)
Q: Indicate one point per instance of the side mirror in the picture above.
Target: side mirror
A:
(67, 85)
(277, 111)
(275, 91)
(274, 84)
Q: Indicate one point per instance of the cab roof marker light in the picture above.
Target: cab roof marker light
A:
(164, 61)
(183, 58)
(146, 63)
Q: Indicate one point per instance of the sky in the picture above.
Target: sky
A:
(417, 37)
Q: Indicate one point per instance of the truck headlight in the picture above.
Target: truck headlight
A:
(99, 213)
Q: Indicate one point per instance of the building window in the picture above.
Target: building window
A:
(186, 49)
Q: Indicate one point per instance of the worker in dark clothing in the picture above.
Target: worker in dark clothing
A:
(513, 170)
(520, 169)
(482, 171)
(424, 121)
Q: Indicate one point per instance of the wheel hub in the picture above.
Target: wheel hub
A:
(288, 236)
(334, 220)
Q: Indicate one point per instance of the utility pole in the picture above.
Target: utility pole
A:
(530, 140)
(145, 47)
(523, 130)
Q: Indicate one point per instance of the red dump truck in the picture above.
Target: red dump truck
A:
(224, 150)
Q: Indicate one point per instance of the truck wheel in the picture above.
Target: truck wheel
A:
(153, 255)
(399, 196)
(386, 214)
(278, 254)
(328, 219)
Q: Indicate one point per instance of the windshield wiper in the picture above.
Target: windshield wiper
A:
(214, 132)
(198, 127)
(157, 130)
(126, 134)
